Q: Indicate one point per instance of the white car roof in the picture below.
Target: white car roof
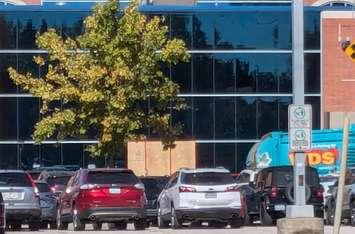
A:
(199, 170)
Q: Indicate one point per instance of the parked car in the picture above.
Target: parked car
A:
(48, 203)
(246, 177)
(348, 206)
(69, 167)
(57, 180)
(21, 199)
(252, 202)
(2, 215)
(102, 195)
(34, 174)
(197, 195)
(153, 187)
(274, 186)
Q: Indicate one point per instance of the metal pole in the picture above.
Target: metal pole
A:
(298, 94)
(344, 156)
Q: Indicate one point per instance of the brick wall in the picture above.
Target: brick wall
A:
(338, 95)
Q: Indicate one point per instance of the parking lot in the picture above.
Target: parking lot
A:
(245, 230)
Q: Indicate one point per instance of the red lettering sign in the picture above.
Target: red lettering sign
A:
(318, 156)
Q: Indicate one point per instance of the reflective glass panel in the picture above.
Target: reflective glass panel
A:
(73, 154)
(203, 31)
(8, 123)
(225, 117)
(283, 112)
(181, 28)
(50, 154)
(181, 74)
(253, 30)
(312, 72)
(267, 115)
(8, 156)
(29, 155)
(312, 29)
(6, 84)
(224, 71)
(203, 73)
(242, 152)
(316, 114)
(89, 159)
(246, 118)
(203, 118)
(71, 23)
(225, 156)
(184, 117)
(205, 154)
(8, 29)
(28, 116)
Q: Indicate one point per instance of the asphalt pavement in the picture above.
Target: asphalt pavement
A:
(245, 230)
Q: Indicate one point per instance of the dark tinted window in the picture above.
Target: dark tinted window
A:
(153, 186)
(43, 187)
(284, 176)
(111, 177)
(207, 178)
(243, 178)
(62, 180)
(14, 179)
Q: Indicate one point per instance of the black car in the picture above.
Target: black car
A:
(252, 203)
(153, 187)
(57, 180)
(274, 187)
(2, 215)
(48, 203)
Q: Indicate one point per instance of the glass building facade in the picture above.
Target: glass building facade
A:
(238, 83)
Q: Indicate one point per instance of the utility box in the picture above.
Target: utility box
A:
(148, 158)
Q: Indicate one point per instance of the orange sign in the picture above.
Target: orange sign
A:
(318, 156)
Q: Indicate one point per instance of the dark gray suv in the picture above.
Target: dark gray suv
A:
(21, 199)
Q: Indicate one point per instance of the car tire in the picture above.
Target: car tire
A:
(265, 218)
(352, 214)
(16, 226)
(97, 226)
(34, 226)
(53, 225)
(78, 224)
(237, 222)
(161, 222)
(60, 224)
(217, 224)
(140, 224)
(175, 222)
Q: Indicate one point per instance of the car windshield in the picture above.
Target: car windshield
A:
(329, 179)
(207, 178)
(13, 179)
(60, 180)
(284, 176)
(111, 177)
(43, 187)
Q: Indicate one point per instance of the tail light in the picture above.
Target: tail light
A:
(274, 192)
(185, 189)
(36, 191)
(319, 191)
(232, 189)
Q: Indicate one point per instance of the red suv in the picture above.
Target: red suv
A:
(102, 195)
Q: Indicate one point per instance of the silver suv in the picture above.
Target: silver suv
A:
(21, 199)
(196, 195)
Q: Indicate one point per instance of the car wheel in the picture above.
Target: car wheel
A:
(352, 214)
(60, 224)
(97, 226)
(265, 218)
(77, 222)
(217, 224)
(140, 224)
(161, 222)
(34, 226)
(53, 225)
(175, 222)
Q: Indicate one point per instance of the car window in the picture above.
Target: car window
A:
(43, 187)
(207, 178)
(61, 180)
(14, 179)
(284, 176)
(111, 177)
(268, 181)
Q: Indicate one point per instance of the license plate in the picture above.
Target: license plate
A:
(211, 195)
(280, 207)
(12, 196)
(115, 190)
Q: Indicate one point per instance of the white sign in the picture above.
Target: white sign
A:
(300, 127)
